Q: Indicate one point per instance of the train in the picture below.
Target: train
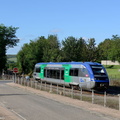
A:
(80, 75)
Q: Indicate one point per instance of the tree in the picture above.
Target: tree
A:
(22, 59)
(40, 50)
(7, 39)
(91, 50)
(114, 53)
(74, 49)
(51, 49)
(69, 49)
(109, 49)
(81, 50)
(104, 49)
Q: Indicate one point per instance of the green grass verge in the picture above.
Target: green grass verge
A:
(114, 74)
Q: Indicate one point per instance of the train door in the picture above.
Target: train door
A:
(67, 77)
(42, 70)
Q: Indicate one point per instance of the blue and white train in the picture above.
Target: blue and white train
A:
(85, 75)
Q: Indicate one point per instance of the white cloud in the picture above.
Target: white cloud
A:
(55, 30)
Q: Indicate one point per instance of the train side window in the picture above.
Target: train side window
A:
(53, 73)
(58, 74)
(38, 69)
(62, 74)
(71, 72)
(45, 72)
(74, 72)
(49, 73)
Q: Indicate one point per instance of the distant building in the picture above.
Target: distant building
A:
(109, 62)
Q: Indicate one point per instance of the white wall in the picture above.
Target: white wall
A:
(109, 62)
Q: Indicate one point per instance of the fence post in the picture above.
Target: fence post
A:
(28, 83)
(23, 81)
(57, 88)
(72, 92)
(40, 84)
(81, 93)
(92, 96)
(18, 80)
(35, 84)
(31, 83)
(51, 87)
(45, 86)
(105, 99)
(119, 101)
(63, 89)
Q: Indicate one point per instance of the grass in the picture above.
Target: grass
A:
(11, 58)
(113, 71)
(114, 74)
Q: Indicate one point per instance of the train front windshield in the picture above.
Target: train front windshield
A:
(98, 70)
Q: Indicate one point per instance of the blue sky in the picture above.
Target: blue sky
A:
(99, 19)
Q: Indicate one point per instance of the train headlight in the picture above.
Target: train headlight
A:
(102, 85)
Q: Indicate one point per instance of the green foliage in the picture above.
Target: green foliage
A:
(69, 49)
(51, 49)
(41, 50)
(115, 49)
(7, 39)
(79, 50)
(104, 49)
(91, 50)
(74, 49)
(109, 49)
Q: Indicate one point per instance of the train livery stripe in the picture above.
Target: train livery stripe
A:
(42, 70)
(67, 67)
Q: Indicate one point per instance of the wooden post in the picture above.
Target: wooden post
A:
(119, 101)
(57, 88)
(92, 96)
(51, 87)
(105, 99)
(40, 84)
(72, 92)
(63, 89)
(81, 93)
(45, 86)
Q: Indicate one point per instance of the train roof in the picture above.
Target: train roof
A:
(90, 63)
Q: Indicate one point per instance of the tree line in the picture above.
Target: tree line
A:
(51, 49)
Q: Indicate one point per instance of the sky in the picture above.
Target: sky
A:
(99, 19)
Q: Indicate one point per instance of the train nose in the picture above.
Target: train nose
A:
(101, 86)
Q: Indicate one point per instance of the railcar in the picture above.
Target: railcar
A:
(85, 75)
